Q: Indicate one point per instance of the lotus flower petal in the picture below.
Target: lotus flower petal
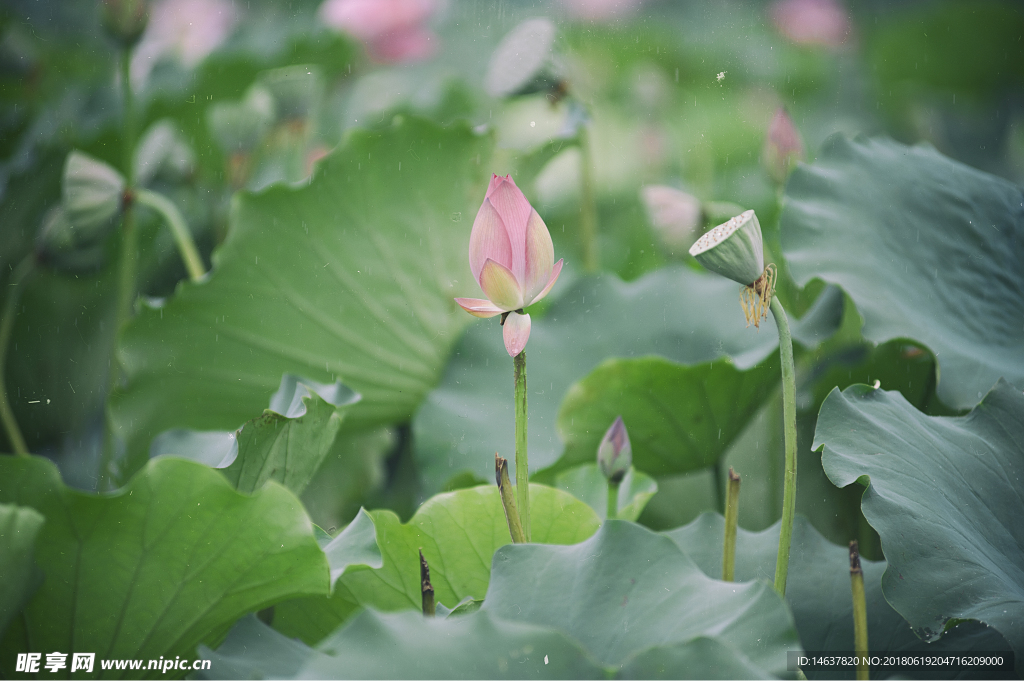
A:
(540, 257)
(551, 282)
(500, 286)
(516, 332)
(479, 307)
(515, 211)
(489, 239)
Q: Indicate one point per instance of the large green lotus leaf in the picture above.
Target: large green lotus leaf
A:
(19, 527)
(475, 645)
(170, 560)
(405, 645)
(680, 418)
(287, 443)
(355, 545)
(349, 278)
(945, 498)
(818, 591)
(627, 589)
(458, 533)
(675, 312)
(926, 247)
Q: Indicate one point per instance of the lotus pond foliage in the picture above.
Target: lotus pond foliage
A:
(248, 422)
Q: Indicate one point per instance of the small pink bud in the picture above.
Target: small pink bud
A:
(511, 257)
(812, 22)
(615, 454)
(782, 147)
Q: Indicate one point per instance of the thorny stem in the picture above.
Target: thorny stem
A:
(732, 514)
(508, 499)
(860, 613)
(522, 465)
(426, 587)
(588, 207)
(14, 289)
(789, 421)
(179, 228)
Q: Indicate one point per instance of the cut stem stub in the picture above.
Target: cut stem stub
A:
(426, 587)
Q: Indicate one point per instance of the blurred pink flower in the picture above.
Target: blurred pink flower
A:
(392, 30)
(812, 22)
(188, 30)
(512, 258)
(600, 10)
(783, 147)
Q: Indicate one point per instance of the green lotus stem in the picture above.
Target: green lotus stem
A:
(732, 514)
(426, 587)
(789, 420)
(508, 500)
(14, 289)
(613, 499)
(129, 248)
(522, 465)
(860, 613)
(588, 207)
(719, 483)
(179, 228)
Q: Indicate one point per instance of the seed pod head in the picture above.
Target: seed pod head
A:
(93, 193)
(125, 20)
(733, 249)
(615, 454)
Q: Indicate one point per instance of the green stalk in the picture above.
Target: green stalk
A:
(522, 466)
(129, 248)
(182, 236)
(789, 421)
(588, 207)
(718, 481)
(732, 514)
(14, 289)
(860, 613)
(508, 500)
(613, 499)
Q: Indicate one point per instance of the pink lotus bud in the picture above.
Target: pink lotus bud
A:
(675, 215)
(782, 147)
(615, 454)
(812, 22)
(392, 30)
(512, 258)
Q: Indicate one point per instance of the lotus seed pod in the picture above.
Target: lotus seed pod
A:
(733, 249)
(615, 454)
(93, 193)
(125, 20)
